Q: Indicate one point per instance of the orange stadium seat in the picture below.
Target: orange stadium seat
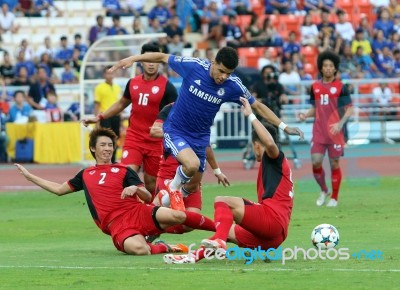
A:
(291, 22)
(249, 56)
(309, 54)
(366, 88)
(395, 88)
(364, 6)
(346, 5)
(258, 7)
(310, 69)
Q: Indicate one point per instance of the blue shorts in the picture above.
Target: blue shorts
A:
(173, 144)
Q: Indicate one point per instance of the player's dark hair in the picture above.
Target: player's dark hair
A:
(328, 55)
(99, 132)
(150, 47)
(228, 57)
(270, 128)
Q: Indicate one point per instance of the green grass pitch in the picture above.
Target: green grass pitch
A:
(50, 242)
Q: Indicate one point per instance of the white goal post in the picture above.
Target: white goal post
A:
(106, 52)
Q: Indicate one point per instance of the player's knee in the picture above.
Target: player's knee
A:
(316, 164)
(178, 217)
(134, 248)
(220, 199)
(192, 166)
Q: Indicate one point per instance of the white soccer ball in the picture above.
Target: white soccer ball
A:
(325, 236)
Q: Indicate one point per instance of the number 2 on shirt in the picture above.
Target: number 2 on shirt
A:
(103, 176)
(324, 99)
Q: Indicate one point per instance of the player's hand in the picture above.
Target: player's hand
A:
(302, 117)
(335, 128)
(294, 131)
(22, 170)
(222, 179)
(156, 132)
(246, 108)
(129, 191)
(88, 121)
(122, 64)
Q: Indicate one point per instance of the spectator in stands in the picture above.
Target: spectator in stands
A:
(232, 33)
(12, 5)
(76, 62)
(137, 26)
(79, 45)
(7, 20)
(296, 60)
(46, 63)
(135, 7)
(379, 42)
(68, 76)
(276, 6)
(47, 8)
(269, 59)
(161, 12)
(73, 112)
(198, 7)
(366, 28)
(311, 6)
(343, 28)
(53, 112)
(116, 29)
(212, 22)
(240, 7)
(7, 70)
(175, 46)
(382, 96)
(114, 8)
(29, 65)
(210, 55)
(396, 56)
(254, 34)
(4, 106)
(303, 75)
(272, 36)
(347, 65)
(309, 32)
(360, 40)
(290, 79)
(28, 51)
(327, 29)
(328, 6)
(46, 48)
(290, 46)
(155, 27)
(97, 31)
(20, 110)
(27, 8)
(39, 89)
(379, 4)
(393, 8)
(64, 53)
(384, 23)
(22, 78)
(385, 62)
(365, 63)
(173, 28)
(396, 24)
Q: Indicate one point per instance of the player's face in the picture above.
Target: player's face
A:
(104, 149)
(219, 72)
(150, 69)
(328, 69)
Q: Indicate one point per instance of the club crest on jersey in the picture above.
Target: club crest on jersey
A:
(333, 90)
(92, 172)
(125, 154)
(114, 170)
(178, 58)
(135, 87)
(317, 90)
(221, 92)
(155, 89)
(180, 144)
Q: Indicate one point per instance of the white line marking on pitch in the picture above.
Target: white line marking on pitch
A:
(189, 268)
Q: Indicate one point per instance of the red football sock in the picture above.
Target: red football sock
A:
(319, 175)
(157, 249)
(198, 221)
(177, 229)
(223, 218)
(336, 180)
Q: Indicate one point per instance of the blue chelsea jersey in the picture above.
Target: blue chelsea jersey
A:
(200, 98)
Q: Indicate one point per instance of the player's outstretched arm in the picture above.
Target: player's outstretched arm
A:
(141, 192)
(270, 117)
(156, 57)
(53, 187)
(210, 156)
(266, 139)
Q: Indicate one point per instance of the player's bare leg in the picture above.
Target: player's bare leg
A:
(150, 182)
(136, 245)
(336, 180)
(319, 175)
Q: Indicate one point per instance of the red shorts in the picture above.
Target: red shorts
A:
(137, 155)
(259, 227)
(192, 200)
(335, 151)
(139, 221)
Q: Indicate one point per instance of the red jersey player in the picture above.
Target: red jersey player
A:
(331, 107)
(263, 224)
(111, 191)
(168, 165)
(148, 93)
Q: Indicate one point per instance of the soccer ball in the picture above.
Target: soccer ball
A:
(325, 236)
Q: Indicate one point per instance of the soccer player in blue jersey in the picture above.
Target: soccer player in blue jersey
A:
(206, 86)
